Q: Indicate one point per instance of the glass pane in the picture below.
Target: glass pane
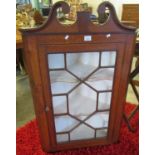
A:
(101, 133)
(82, 102)
(102, 79)
(104, 101)
(75, 100)
(59, 104)
(82, 132)
(99, 120)
(62, 81)
(108, 58)
(82, 64)
(56, 61)
(64, 123)
(62, 137)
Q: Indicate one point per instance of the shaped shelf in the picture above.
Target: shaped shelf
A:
(62, 81)
(102, 79)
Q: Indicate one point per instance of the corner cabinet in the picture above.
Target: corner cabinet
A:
(79, 77)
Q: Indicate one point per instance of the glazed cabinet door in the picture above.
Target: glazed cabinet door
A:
(81, 85)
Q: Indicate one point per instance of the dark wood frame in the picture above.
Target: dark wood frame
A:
(111, 35)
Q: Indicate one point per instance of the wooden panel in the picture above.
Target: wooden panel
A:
(79, 39)
(130, 14)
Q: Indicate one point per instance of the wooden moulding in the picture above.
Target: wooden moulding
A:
(83, 23)
(50, 38)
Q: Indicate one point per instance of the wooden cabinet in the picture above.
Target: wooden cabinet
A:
(130, 14)
(79, 77)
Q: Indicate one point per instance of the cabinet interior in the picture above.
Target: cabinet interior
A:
(81, 88)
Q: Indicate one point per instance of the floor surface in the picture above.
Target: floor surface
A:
(24, 104)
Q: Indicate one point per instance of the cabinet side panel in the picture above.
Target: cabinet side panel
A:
(32, 65)
(126, 67)
(117, 84)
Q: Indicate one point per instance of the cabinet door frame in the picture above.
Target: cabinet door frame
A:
(44, 50)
